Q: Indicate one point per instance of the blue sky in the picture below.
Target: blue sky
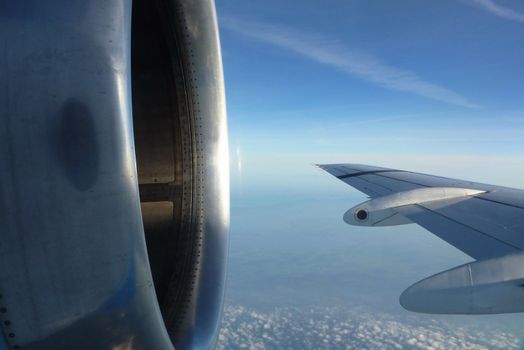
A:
(427, 86)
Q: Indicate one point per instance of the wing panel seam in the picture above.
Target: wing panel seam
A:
(502, 203)
(345, 176)
(467, 226)
(376, 184)
(406, 181)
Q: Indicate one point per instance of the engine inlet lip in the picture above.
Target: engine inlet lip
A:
(361, 214)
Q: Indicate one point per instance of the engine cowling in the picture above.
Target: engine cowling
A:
(490, 286)
(114, 188)
(182, 158)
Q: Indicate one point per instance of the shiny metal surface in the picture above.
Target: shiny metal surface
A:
(182, 155)
(210, 174)
(383, 211)
(482, 287)
(74, 270)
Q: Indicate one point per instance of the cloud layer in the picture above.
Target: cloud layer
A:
(499, 10)
(352, 328)
(354, 63)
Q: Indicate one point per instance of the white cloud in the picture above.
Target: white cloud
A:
(352, 62)
(498, 10)
(354, 328)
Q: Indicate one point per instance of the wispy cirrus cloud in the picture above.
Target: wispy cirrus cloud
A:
(355, 63)
(498, 10)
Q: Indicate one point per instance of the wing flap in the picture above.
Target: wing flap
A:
(498, 221)
(474, 243)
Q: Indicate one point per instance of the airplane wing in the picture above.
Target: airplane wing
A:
(484, 221)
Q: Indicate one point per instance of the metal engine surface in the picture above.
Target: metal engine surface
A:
(112, 124)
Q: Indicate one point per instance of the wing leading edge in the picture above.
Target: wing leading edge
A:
(483, 221)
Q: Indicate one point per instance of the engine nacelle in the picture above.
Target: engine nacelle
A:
(482, 287)
(114, 183)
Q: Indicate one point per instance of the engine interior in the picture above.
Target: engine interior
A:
(163, 129)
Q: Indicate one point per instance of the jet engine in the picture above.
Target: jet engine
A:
(114, 184)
